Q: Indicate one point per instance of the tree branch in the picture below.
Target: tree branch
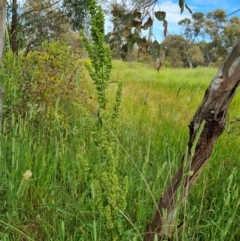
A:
(37, 10)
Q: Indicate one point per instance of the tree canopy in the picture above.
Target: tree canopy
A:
(31, 22)
(206, 38)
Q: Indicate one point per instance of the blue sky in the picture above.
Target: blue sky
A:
(173, 16)
(207, 6)
(172, 9)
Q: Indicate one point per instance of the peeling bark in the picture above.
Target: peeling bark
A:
(212, 110)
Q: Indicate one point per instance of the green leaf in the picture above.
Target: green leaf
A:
(155, 45)
(147, 24)
(155, 50)
(138, 40)
(137, 14)
(154, 56)
(131, 45)
(160, 15)
(127, 18)
(181, 5)
(189, 9)
(136, 33)
(126, 32)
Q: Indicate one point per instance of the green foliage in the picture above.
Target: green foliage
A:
(110, 190)
(167, 64)
(33, 22)
(128, 25)
(45, 82)
(60, 200)
(77, 11)
(181, 52)
(213, 32)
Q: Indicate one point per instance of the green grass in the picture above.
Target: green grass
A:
(58, 203)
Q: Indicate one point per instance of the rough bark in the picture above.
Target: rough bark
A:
(2, 26)
(14, 26)
(212, 110)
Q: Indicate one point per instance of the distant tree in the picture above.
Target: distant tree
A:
(181, 52)
(193, 28)
(41, 20)
(174, 47)
(32, 22)
(215, 22)
(77, 12)
(231, 32)
(213, 32)
(194, 55)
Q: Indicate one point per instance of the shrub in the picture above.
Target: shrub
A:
(167, 64)
(45, 82)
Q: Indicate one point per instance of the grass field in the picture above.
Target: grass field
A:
(57, 202)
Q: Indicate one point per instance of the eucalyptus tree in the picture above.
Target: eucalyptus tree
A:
(131, 23)
(181, 52)
(41, 20)
(214, 33)
(215, 22)
(175, 47)
(231, 32)
(116, 37)
(77, 12)
(194, 55)
(31, 22)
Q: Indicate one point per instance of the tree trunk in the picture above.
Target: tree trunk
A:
(190, 63)
(213, 111)
(14, 25)
(2, 26)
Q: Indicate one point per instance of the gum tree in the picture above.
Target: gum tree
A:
(32, 22)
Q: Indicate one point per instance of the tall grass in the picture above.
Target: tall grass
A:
(58, 203)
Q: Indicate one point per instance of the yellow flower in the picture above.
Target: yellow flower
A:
(27, 175)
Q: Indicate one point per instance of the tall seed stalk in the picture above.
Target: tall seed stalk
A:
(110, 190)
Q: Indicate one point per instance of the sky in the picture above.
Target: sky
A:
(173, 15)
(172, 9)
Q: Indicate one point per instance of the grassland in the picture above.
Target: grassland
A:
(57, 202)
